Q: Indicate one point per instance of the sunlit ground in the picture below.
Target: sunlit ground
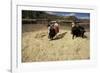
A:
(37, 47)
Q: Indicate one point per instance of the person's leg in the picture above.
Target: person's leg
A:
(73, 36)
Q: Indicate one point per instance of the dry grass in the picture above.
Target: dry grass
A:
(37, 47)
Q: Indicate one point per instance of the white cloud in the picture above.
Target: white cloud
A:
(70, 14)
(84, 17)
(50, 12)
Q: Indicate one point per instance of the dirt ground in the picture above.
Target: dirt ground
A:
(37, 47)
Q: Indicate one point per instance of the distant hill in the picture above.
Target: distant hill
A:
(26, 14)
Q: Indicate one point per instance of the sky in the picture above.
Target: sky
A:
(78, 15)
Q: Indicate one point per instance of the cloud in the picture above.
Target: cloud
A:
(70, 14)
(84, 17)
(61, 13)
(52, 13)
